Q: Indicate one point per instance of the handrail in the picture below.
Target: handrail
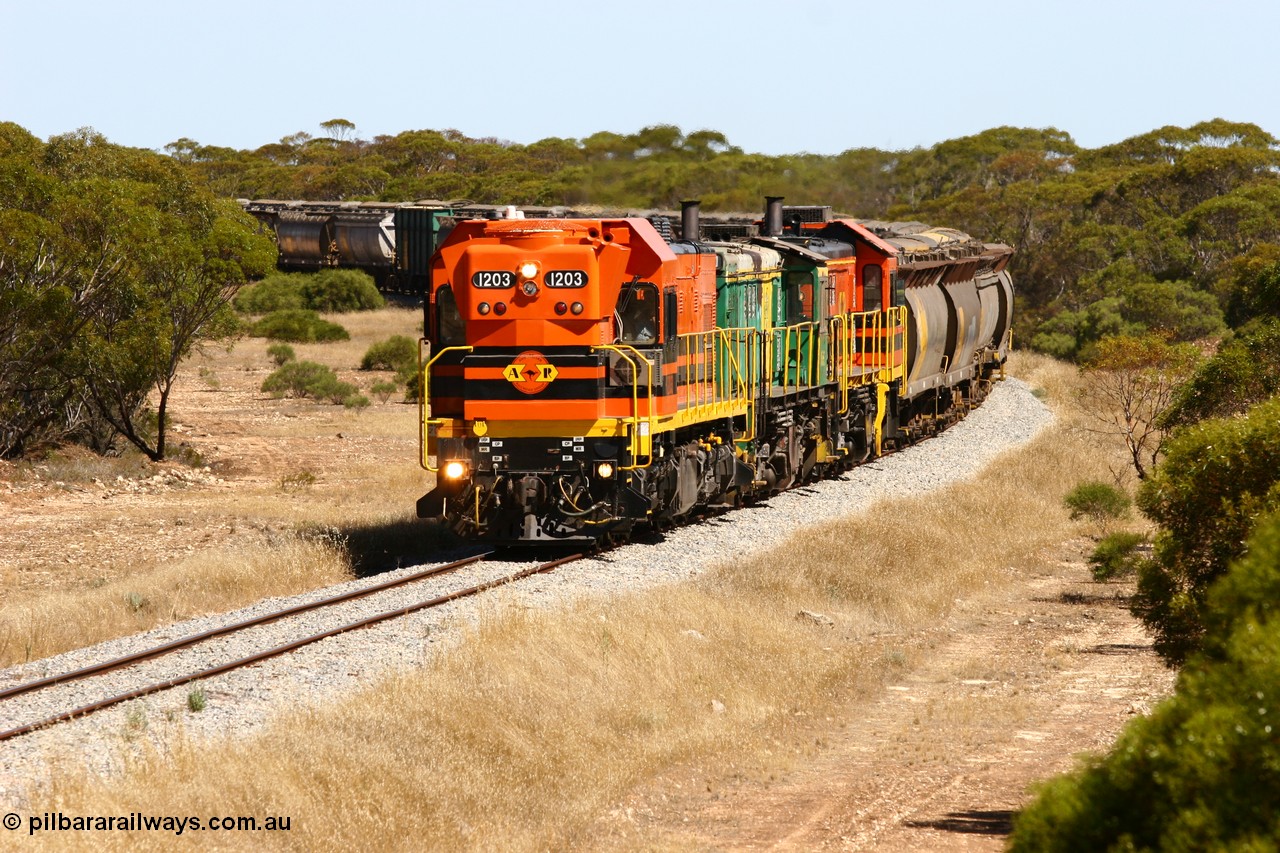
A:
(841, 358)
(635, 402)
(806, 364)
(715, 376)
(424, 402)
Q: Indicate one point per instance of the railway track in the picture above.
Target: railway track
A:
(125, 661)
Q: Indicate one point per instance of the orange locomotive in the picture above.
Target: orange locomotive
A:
(583, 377)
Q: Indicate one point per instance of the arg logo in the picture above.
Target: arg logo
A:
(530, 372)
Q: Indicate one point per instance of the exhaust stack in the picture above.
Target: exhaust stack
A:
(690, 222)
(773, 216)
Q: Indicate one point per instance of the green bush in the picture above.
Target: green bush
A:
(277, 292)
(339, 393)
(384, 390)
(1097, 501)
(1117, 556)
(1218, 478)
(300, 379)
(1203, 771)
(395, 353)
(308, 379)
(1244, 372)
(281, 354)
(410, 380)
(335, 291)
(298, 326)
(331, 291)
(355, 401)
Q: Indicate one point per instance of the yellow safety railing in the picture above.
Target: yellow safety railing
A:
(635, 424)
(867, 349)
(895, 350)
(802, 340)
(842, 357)
(718, 370)
(424, 390)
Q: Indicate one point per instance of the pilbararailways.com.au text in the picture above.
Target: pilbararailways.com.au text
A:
(139, 822)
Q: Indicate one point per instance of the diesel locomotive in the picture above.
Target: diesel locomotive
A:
(585, 378)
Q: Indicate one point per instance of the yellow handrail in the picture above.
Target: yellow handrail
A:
(841, 360)
(715, 381)
(651, 420)
(424, 389)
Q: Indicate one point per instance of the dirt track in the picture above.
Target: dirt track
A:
(1004, 694)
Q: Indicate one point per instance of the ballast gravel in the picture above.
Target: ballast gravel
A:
(241, 702)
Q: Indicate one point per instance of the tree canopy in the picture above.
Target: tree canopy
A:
(1166, 231)
(114, 263)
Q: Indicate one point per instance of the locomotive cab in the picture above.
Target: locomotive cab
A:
(562, 357)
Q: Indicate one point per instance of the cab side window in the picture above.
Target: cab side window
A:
(872, 277)
(637, 314)
(799, 287)
(450, 329)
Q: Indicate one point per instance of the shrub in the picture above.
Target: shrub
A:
(281, 354)
(335, 291)
(279, 292)
(309, 379)
(298, 326)
(338, 392)
(1219, 477)
(1200, 772)
(1244, 372)
(395, 353)
(1117, 556)
(410, 380)
(331, 291)
(1097, 501)
(355, 401)
(301, 379)
(384, 390)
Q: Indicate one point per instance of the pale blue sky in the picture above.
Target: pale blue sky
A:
(775, 77)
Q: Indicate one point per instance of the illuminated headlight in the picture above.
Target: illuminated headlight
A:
(604, 470)
(529, 269)
(454, 470)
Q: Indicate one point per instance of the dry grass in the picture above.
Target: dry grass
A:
(208, 582)
(88, 566)
(521, 737)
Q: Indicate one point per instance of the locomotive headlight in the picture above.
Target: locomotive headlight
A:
(604, 470)
(576, 308)
(530, 288)
(483, 308)
(454, 470)
(529, 269)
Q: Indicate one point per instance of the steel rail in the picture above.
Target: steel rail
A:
(288, 647)
(146, 654)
